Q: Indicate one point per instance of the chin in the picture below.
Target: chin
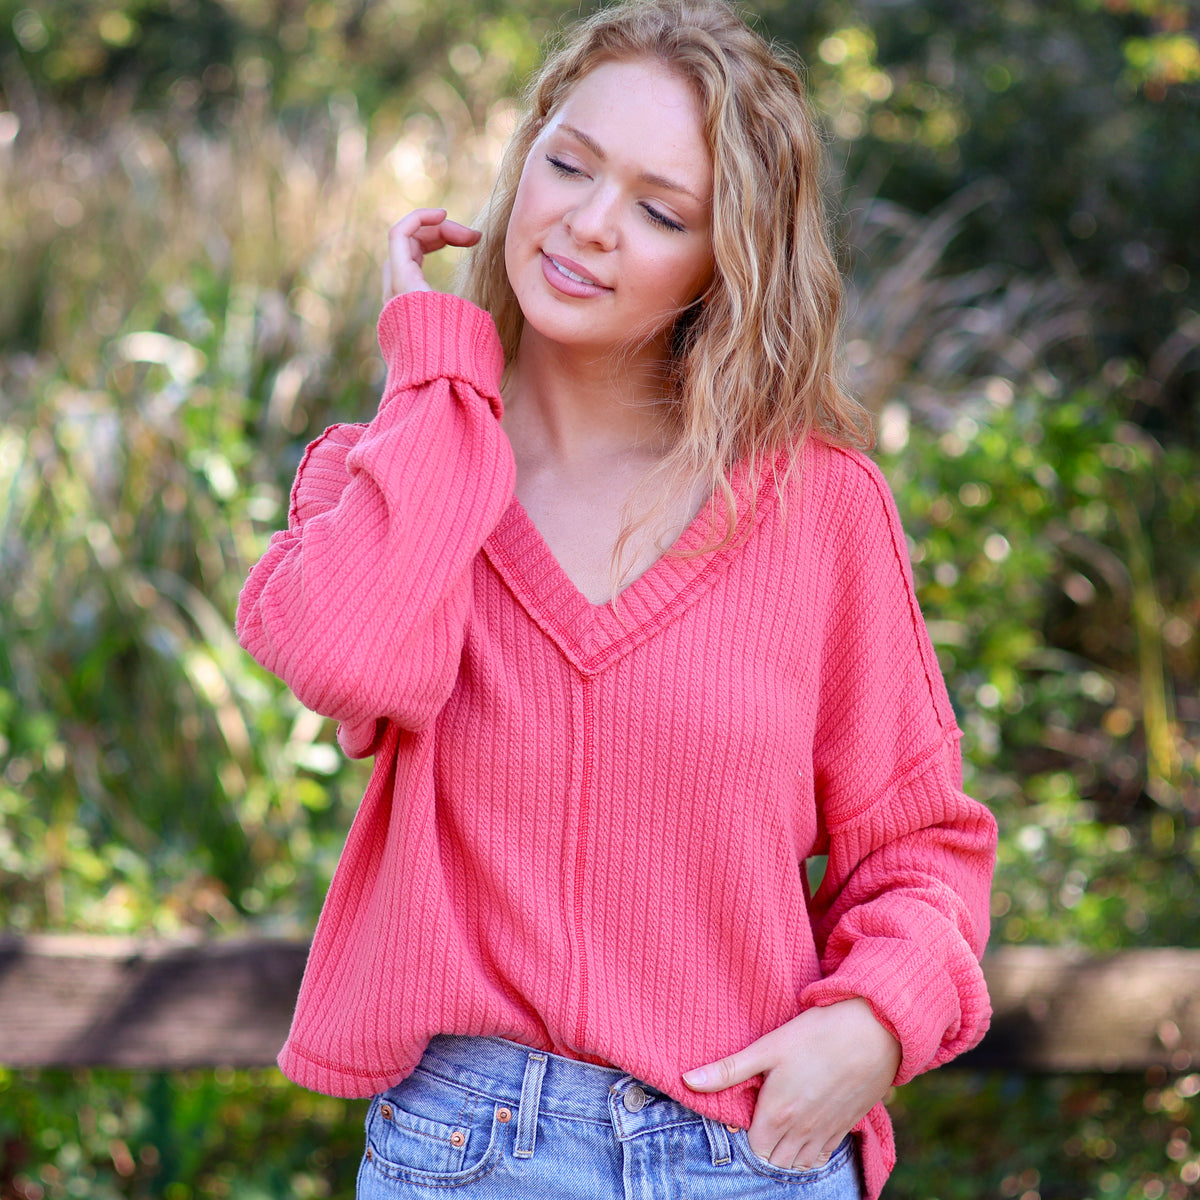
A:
(555, 320)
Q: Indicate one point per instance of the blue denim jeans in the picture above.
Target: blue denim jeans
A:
(503, 1122)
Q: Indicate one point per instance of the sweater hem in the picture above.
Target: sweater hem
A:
(329, 1078)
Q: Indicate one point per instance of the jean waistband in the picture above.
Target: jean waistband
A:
(503, 1070)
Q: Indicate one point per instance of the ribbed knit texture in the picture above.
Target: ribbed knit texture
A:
(586, 826)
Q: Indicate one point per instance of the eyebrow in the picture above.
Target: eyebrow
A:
(645, 176)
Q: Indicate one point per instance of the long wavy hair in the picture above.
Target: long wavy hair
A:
(754, 365)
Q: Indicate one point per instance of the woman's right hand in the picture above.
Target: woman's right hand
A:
(412, 237)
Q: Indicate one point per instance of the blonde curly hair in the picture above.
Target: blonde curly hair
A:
(754, 365)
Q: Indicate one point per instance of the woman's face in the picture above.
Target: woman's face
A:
(610, 237)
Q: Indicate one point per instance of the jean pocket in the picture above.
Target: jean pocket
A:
(838, 1161)
(427, 1130)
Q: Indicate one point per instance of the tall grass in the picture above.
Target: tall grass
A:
(187, 307)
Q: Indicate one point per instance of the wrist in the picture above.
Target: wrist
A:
(876, 1033)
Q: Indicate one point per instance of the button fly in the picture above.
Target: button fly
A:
(635, 1099)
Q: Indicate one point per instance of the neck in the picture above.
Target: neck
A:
(573, 405)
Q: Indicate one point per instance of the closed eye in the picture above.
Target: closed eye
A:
(569, 172)
(662, 219)
(562, 168)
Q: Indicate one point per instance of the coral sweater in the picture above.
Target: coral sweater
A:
(586, 828)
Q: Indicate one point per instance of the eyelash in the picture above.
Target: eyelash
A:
(652, 214)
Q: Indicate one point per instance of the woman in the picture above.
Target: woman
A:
(628, 626)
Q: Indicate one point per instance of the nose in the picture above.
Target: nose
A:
(592, 220)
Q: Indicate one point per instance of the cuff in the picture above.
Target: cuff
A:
(435, 335)
(931, 1014)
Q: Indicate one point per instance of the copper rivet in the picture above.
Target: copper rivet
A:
(457, 1139)
(733, 1128)
(385, 1111)
(370, 1154)
(504, 1114)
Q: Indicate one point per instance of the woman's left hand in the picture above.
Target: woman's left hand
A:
(822, 1072)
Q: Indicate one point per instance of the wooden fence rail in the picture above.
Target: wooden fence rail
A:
(119, 1002)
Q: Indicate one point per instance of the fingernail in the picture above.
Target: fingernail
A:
(697, 1077)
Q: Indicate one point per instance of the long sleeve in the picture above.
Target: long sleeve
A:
(361, 603)
(901, 916)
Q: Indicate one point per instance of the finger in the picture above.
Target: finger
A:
(413, 231)
(796, 1148)
(793, 1156)
(813, 1154)
(405, 253)
(808, 1158)
(777, 1142)
(789, 1152)
(808, 1161)
(429, 238)
(430, 226)
(456, 234)
(772, 1149)
(420, 232)
(831, 1144)
(734, 1068)
(411, 222)
(787, 1130)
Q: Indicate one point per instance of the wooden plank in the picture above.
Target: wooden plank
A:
(75, 1001)
(121, 1002)
(1058, 1010)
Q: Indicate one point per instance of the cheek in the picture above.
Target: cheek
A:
(518, 220)
(514, 239)
(688, 277)
(509, 242)
(703, 268)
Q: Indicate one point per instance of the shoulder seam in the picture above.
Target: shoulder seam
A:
(933, 673)
(907, 770)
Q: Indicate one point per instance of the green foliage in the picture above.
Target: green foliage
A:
(1085, 111)
(245, 1135)
(1021, 518)
(965, 1135)
(199, 54)
(154, 777)
(1082, 112)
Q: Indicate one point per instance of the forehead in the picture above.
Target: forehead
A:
(643, 114)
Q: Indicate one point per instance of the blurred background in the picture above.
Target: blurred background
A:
(193, 201)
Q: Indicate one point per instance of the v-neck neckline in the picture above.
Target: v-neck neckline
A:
(592, 636)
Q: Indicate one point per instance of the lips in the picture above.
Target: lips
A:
(572, 270)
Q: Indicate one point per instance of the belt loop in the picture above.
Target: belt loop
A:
(718, 1141)
(527, 1113)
